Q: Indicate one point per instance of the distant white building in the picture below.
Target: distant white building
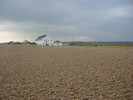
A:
(45, 40)
(58, 43)
(26, 42)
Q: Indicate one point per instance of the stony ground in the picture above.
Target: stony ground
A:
(73, 73)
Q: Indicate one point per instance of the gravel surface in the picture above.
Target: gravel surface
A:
(65, 73)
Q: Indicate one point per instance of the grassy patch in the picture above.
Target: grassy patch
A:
(104, 44)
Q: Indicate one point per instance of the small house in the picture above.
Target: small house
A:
(44, 40)
(58, 43)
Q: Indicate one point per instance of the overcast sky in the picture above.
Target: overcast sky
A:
(86, 20)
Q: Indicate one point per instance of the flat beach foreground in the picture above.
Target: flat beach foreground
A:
(65, 73)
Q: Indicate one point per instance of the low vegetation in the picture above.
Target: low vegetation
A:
(103, 44)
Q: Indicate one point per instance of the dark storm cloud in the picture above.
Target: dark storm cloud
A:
(95, 19)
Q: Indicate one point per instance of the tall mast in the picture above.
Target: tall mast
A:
(73, 40)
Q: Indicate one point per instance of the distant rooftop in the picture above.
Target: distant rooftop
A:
(40, 37)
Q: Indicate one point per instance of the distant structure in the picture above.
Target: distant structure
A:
(58, 43)
(45, 40)
(11, 42)
(26, 42)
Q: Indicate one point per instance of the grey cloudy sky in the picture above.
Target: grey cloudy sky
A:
(86, 20)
